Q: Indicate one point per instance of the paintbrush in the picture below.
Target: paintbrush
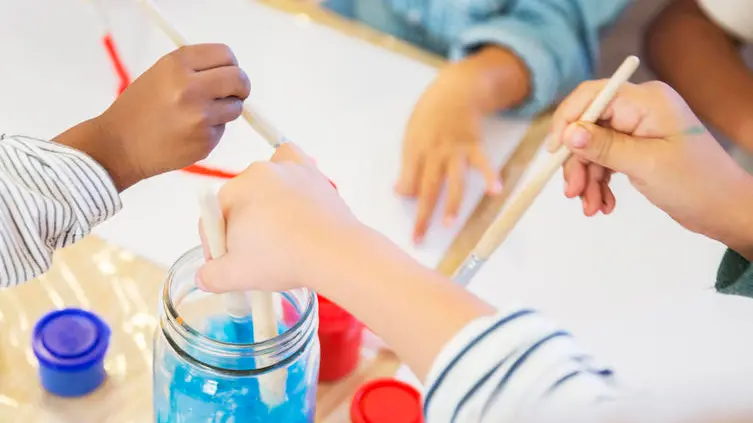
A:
(272, 386)
(264, 319)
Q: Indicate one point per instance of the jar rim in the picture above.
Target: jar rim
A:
(284, 344)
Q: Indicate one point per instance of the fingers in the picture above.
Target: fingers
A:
(224, 110)
(222, 275)
(612, 149)
(225, 81)
(455, 177)
(609, 202)
(592, 199)
(575, 173)
(431, 185)
(201, 57)
(410, 169)
(571, 109)
(477, 158)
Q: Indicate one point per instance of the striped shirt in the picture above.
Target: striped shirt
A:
(505, 368)
(50, 197)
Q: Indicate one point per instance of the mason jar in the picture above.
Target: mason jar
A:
(209, 369)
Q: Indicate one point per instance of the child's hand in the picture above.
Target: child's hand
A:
(443, 139)
(285, 224)
(649, 134)
(174, 114)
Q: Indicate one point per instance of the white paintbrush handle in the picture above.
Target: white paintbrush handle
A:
(257, 120)
(501, 227)
(272, 385)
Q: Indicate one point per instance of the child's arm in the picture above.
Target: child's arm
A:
(480, 365)
(557, 41)
(698, 54)
(53, 193)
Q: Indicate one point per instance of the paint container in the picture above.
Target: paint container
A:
(71, 345)
(205, 371)
(340, 336)
(386, 401)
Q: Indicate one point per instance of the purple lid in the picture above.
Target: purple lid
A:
(70, 339)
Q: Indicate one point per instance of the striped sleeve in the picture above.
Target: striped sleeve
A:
(500, 368)
(50, 197)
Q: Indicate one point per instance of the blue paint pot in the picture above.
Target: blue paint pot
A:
(70, 345)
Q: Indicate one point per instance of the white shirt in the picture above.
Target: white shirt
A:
(734, 16)
(50, 197)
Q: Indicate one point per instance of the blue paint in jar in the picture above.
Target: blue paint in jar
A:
(205, 361)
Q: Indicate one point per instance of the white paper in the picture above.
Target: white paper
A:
(634, 286)
(344, 101)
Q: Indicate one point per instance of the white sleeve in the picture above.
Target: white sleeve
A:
(50, 197)
(500, 368)
(734, 16)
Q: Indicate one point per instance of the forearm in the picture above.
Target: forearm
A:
(479, 364)
(398, 299)
(50, 196)
(681, 44)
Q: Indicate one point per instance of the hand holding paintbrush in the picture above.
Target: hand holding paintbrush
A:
(511, 214)
(271, 385)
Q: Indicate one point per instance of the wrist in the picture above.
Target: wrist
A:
(346, 260)
(94, 138)
(504, 78)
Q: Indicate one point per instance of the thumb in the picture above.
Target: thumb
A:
(609, 148)
(219, 276)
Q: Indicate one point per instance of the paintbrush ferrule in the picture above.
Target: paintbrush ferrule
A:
(466, 271)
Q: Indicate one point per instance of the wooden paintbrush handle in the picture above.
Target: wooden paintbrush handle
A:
(498, 231)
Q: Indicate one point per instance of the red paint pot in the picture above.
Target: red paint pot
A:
(340, 338)
(386, 401)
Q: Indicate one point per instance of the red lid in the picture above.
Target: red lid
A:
(332, 317)
(386, 401)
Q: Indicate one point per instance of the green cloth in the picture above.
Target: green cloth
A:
(735, 275)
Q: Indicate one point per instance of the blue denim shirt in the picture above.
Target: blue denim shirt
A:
(558, 40)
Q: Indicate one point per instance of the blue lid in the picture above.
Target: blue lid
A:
(70, 339)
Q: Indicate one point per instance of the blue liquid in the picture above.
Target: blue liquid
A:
(199, 395)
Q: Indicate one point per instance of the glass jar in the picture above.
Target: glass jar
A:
(207, 367)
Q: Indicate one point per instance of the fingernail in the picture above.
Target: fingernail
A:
(496, 188)
(577, 135)
(449, 220)
(418, 239)
(564, 187)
